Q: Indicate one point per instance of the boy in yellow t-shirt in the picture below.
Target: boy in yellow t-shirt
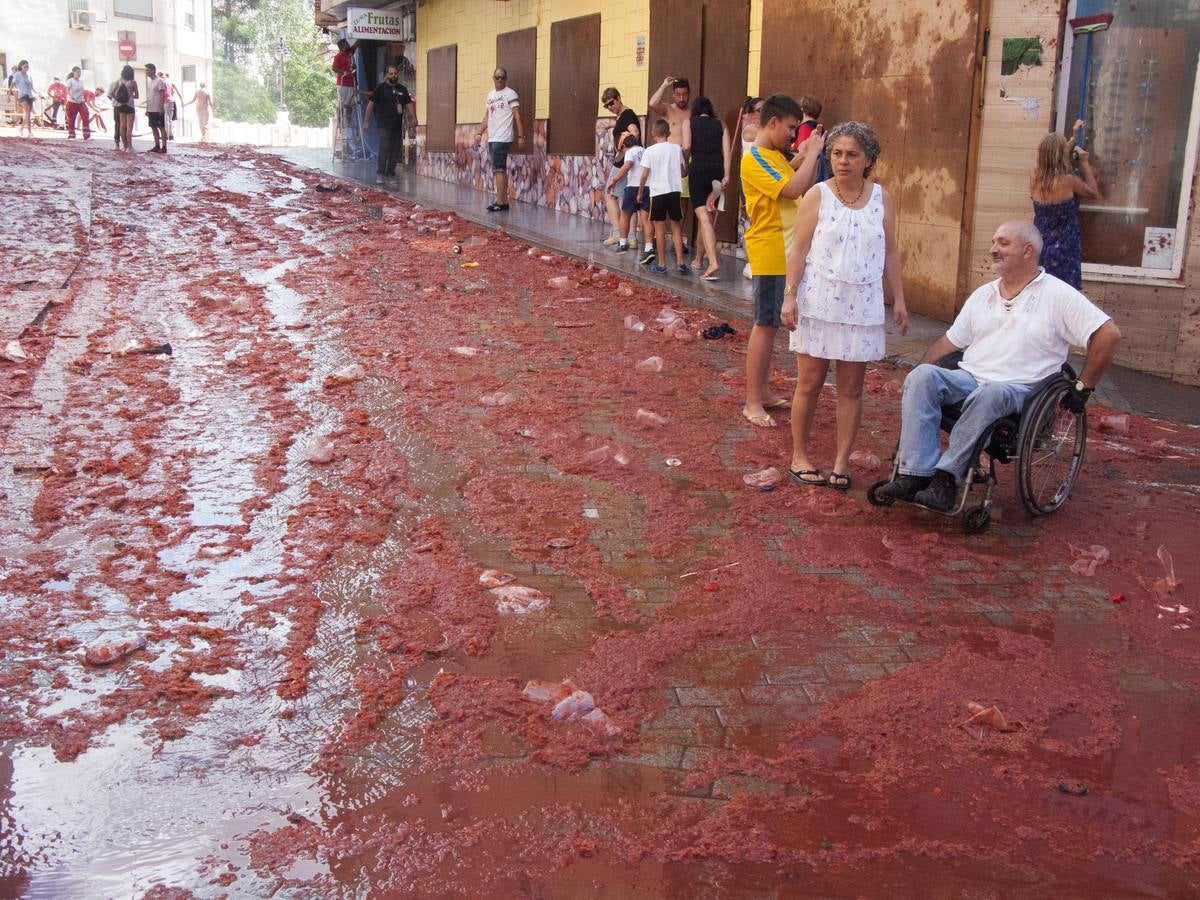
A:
(771, 185)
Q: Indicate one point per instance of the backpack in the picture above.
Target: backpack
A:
(122, 94)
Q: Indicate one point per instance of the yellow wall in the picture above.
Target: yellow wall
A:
(474, 24)
(756, 19)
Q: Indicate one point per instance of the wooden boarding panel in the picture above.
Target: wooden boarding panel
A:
(906, 68)
(676, 45)
(441, 91)
(516, 53)
(574, 85)
(723, 80)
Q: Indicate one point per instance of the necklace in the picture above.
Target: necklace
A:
(858, 197)
(1010, 302)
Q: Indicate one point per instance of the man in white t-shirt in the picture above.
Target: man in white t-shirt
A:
(662, 177)
(501, 117)
(1014, 332)
(155, 107)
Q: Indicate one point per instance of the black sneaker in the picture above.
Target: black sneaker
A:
(905, 487)
(941, 493)
(647, 257)
(620, 248)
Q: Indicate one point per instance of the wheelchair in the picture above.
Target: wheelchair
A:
(1045, 440)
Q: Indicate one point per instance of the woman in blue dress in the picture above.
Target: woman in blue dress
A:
(1055, 189)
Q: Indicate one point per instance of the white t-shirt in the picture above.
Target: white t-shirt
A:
(500, 106)
(154, 102)
(74, 90)
(1031, 340)
(633, 156)
(665, 162)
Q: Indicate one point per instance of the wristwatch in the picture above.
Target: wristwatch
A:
(1081, 388)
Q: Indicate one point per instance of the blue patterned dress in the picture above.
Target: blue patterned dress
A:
(1062, 253)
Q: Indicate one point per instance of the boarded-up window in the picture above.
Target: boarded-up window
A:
(441, 98)
(574, 85)
(516, 53)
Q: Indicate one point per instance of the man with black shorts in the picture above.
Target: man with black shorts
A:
(626, 123)
(389, 101)
(156, 109)
(662, 175)
(501, 117)
(676, 112)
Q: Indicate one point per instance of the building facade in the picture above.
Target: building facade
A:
(101, 36)
(960, 94)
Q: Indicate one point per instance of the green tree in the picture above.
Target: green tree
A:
(241, 98)
(236, 24)
(308, 87)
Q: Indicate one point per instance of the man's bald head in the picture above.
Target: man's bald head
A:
(1024, 232)
(1016, 249)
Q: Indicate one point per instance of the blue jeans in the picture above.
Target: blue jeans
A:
(926, 390)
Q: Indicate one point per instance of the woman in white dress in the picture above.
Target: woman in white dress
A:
(843, 257)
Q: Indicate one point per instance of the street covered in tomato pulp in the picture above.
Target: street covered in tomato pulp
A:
(401, 572)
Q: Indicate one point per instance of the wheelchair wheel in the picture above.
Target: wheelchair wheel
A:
(976, 519)
(1050, 452)
(877, 499)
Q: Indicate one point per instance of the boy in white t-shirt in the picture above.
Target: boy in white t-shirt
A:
(662, 173)
(630, 204)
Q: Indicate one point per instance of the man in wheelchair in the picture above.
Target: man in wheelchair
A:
(1014, 332)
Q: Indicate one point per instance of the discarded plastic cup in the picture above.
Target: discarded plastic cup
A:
(633, 323)
(673, 461)
(651, 364)
(646, 417)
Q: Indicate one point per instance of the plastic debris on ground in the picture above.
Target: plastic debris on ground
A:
(319, 450)
(1088, 559)
(465, 351)
(989, 716)
(500, 398)
(560, 543)
(494, 578)
(646, 417)
(518, 600)
(111, 649)
(1115, 424)
(633, 323)
(14, 352)
(347, 374)
(765, 479)
(864, 459)
(673, 461)
(651, 364)
(559, 281)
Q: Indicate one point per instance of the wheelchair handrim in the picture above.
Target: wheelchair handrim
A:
(1052, 449)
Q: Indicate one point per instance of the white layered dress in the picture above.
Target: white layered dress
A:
(839, 305)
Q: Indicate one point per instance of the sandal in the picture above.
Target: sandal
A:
(798, 477)
(838, 481)
(778, 403)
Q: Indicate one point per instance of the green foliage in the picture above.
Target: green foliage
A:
(308, 87)
(241, 98)
(236, 24)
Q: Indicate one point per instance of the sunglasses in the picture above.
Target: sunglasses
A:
(609, 104)
(499, 78)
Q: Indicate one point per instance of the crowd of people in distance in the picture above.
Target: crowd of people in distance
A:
(85, 109)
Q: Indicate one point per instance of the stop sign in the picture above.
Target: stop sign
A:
(126, 48)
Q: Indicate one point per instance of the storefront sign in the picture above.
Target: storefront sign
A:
(375, 25)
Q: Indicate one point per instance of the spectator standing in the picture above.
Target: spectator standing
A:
(747, 130)
(662, 176)
(57, 91)
(347, 80)
(22, 83)
(844, 255)
(676, 112)
(77, 106)
(125, 93)
(625, 124)
(389, 102)
(204, 108)
(770, 186)
(631, 173)
(501, 118)
(707, 145)
(155, 104)
(811, 108)
(169, 110)
(1055, 190)
(98, 104)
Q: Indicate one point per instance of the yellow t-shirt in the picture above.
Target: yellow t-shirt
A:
(765, 173)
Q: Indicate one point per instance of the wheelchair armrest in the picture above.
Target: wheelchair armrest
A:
(950, 360)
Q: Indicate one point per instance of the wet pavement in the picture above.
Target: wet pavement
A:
(245, 648)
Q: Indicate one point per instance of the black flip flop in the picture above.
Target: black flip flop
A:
(838, 481)
(798, 477)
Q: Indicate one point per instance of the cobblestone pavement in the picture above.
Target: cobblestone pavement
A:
(245, 649)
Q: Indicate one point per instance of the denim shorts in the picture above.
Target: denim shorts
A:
(498, 154)
(768, 299)
(618, 190)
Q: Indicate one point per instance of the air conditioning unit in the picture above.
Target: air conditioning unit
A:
(82, 19)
